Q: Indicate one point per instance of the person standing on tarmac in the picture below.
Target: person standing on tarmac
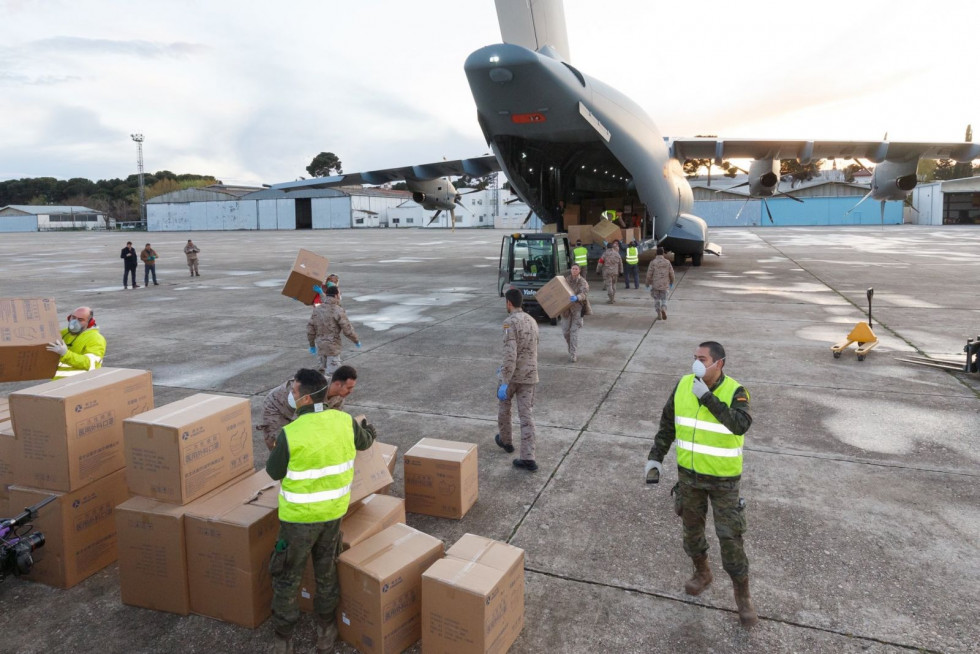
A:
(278, 412)
(191, 251)
(324, 329)
(660, 279)
(632, 269)
(612, 268)
(314, 458)
(581, 256)
(708, 415)
(571, 318)
(518, 377)
(81, 346)
(149, 258)
(130, 262)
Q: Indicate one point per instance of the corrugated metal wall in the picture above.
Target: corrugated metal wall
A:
(785, 212)
(18, 224)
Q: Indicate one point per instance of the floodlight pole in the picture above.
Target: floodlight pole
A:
(139, 163)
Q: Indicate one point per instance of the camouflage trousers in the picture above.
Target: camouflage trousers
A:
(693, 495)
(328, 364)
(610, 282)
(192, 264)
(659, 300)
(569, 329)
(525, 411)
(322, 540)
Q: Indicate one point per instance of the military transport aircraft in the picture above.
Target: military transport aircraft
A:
(562, 137)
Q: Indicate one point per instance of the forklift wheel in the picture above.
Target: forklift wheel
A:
(553, 321)
(836, 355)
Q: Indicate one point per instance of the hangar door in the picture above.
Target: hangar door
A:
(304, 213)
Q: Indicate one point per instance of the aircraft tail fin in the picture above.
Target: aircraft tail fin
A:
(533, 24)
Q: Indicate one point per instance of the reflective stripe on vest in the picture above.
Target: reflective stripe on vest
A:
(318, 479)
(581, 257)
(704, 445)
(632, 256)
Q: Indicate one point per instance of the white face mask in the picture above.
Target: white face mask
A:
(74, 326)
(700, 370)
(291, 401)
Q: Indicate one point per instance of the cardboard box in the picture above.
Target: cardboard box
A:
(605, 230)
(181, 451)
(377, 513)
(550, 228)
(79, 529)
(580, 233)
(27, 325)
(572, 215)
(7, 444)
(308, 270)
(631, 234)
(69, 432)
(380, 589)
(389, 453)
(553, 296)
(152, 554)
(229, 539)
(473, 600)
(441, 478)
(370, 474)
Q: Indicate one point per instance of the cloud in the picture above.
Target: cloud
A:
(67, 45)
(36, 80)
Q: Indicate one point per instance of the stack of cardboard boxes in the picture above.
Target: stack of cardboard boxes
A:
(65, 439)
(179, 458)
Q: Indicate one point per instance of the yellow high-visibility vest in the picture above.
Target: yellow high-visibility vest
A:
(704, 445)
(632, 256)
(318, 479)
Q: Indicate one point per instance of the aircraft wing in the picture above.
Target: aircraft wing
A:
(476, 167)
(805, 151)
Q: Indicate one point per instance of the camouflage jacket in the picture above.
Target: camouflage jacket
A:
(612, 263)
(520, 349)
(660, 274)
(326, 325)
(579, 287)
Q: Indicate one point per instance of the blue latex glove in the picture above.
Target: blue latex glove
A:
(573, 298)
(671, 287)
(313, 350)
(502, 392)
(317, 289)
(357, 345)
(648, 288)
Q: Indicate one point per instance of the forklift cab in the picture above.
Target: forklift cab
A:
(528, 262)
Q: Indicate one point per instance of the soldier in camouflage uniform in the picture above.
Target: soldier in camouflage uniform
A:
(326, 325)
(518, 377)
(612, 268)
(320, 459)
(660, 279)
(708, 415)
(571, 318)
(276, 411)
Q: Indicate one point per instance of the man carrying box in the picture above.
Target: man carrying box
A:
(314, 458)
(81, 346)
(571, 318)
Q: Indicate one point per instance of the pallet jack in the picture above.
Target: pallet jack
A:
(862, 334)
(972, 349)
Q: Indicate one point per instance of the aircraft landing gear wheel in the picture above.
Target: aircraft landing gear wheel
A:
(678, 259)
(836, 355)
(696, 260)
(860, 357)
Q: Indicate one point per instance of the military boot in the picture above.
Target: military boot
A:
(282, 644)
(326, 633)
(702, 576)
(746, 612)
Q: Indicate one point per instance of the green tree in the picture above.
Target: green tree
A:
(324, 164)
(944, 169)
(926, 170)
(798, 172)
(849, 172)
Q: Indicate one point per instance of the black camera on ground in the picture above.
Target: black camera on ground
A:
(18, 541)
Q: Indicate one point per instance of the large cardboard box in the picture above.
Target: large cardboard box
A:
(79, 529)
(572, 215)
(389, 453)
(605, 230)
(27, 325)
(380, 589)
(7, 444)
(580, 233)
(370, 475)
(152, 553)
(553, 296)
(69, 432)
(473, 600)
(631, 234)
(308, 270)
(441, 478)
(229, 539)
(182, 450)
(377, 513)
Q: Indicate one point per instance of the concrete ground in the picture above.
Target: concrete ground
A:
(860, 477)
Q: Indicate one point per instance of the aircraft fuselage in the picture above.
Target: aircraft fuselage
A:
(563, 137)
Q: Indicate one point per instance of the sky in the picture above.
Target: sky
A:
(251, 91)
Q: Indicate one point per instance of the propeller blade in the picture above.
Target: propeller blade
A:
(744, 204)
(791, 197)
(459, 201)
(529, 214)
(882, 214)
(766, 203)
(863, 167)
(867, 195)
(452, 219)
(731, 187)
(434, 216)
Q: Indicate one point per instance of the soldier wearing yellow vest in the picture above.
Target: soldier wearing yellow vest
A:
(314, 458)
(581, 254)
(81, 346)
(631, 267)
(708, 416)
